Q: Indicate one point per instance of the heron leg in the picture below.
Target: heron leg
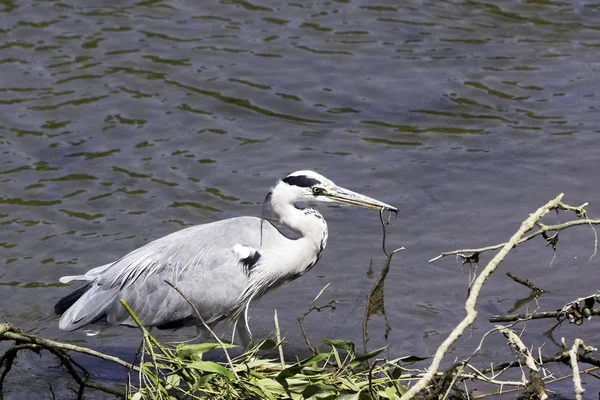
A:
(244, 332)
(203, 332)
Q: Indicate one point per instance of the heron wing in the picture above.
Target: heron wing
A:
(203, 261)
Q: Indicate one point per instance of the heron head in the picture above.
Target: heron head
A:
(310, 186)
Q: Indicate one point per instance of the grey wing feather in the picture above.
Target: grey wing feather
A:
(198, 260)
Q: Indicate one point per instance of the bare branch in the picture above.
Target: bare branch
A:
(8, 332)
(573, 355)
(278, 339)
(59, 350)
(580, 308)
(524, 282)
(542, 230)
(537, 315)
(535, 383)
(527, 225)
(331, 305)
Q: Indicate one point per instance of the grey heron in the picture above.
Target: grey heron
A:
(221, 267)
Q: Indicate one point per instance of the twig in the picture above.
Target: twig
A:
(312, 308)
(36, 344)
(537, 315)
(525, 282)
(575, 313)
(278, 339)
(143, 329)
(474, 294)
(207, 328)
(535, 383)
(573, 361)
(515, 317)
(8, 332)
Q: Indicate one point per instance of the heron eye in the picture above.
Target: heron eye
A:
(317, 190)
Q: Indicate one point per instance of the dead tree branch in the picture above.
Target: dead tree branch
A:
(575, 311)
(331, 306)
(535, 384)
(542, 230)
(573, 357)
(59, 350)
(524, 282)
(7, 332)
(526, 226)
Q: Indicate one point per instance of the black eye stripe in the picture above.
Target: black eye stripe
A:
(301, 181)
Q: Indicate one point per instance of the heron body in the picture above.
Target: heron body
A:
(221, 267)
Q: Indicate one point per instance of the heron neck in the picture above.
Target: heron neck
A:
(308, 222)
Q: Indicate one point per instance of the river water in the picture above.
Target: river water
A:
(122, 121)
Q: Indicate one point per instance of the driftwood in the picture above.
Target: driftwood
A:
(80, 375)
(572, 311)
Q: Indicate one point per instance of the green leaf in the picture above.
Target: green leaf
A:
(210, 366)
(174, 380)
(149, 374)
(267, 344)
(288, 372)
(341, 344)
(187, 350)
(137, 396)
(271, 388)
(296, 368)
(349, 384)
(391, 392)
(369, 355)
(314, 359)
(412, 359)
(349, 396)
(203, 381)
(336, 354)
(310, 390)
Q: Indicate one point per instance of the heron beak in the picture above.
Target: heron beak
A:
(350, 198)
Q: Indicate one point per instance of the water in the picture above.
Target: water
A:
(124, 122)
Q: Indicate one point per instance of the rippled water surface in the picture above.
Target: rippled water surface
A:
(121, 122)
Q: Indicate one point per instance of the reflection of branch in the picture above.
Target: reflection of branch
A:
(543, 229)
(527, 225)
(59, 350)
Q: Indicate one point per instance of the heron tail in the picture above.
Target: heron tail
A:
(86, 305)
(66, 302)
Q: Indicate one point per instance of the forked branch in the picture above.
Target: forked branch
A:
(541, 231)
(471, 313)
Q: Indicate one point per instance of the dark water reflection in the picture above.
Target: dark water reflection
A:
(121, 122)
